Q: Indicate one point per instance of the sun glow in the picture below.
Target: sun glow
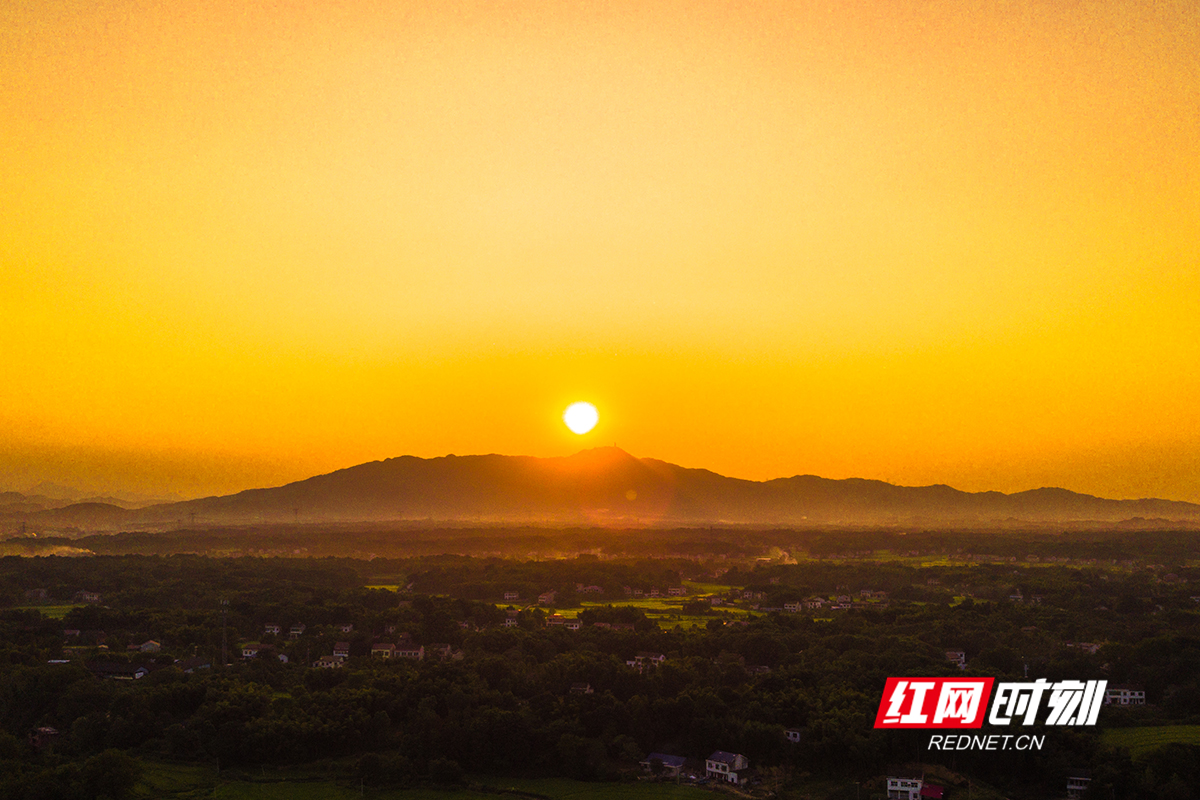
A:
(581, 417)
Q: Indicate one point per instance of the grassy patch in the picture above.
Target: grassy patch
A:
(288, 790)
(50, 612)
(164, 781)
(1142, 740)
(706, 588)
(564, 789)
(181, 781)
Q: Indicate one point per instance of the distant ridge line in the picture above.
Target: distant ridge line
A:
(608, 486)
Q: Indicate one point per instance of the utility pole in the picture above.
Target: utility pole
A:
(224, 641)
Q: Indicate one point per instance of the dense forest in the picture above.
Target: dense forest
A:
(751, 647)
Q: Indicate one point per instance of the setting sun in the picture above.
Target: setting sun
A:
(581, 417)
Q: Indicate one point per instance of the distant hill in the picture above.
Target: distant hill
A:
(607, 485)
(604, 486)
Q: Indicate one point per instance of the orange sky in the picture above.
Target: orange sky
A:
(917, 241)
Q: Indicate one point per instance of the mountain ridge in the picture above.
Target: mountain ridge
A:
(607, 485)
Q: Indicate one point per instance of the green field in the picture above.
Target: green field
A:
(50, 612)
(192, 782)
(1143, 740)
(706, 588)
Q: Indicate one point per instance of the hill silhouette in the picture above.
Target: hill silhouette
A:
(608, 485)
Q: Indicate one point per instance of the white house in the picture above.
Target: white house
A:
(729, 767)
(904, 787)
(1125, 695)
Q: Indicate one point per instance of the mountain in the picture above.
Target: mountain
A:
(609, 486)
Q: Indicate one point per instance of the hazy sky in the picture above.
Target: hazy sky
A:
(927, 242)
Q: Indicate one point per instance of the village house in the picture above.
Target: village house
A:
(40, 737)
(328, 662)
(1125, 695)
(383, 650)
(582, 688)
(667, 765)
(957, 657)
(190, 665)
(271, 627)
(904, 785)
(793, 608)
(793, 735)
(511, 622)
(555, 619)
(546, 598)
(676, 591)
(297, 630)
(415, 653)
(346, 627)
(87, 597)
(118, 672)
(440, 649)
(573, 625)
(729, 767)
(512, 596)
(341, 650)
(1078, 781)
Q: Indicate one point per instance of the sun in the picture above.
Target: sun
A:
(581, 417)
